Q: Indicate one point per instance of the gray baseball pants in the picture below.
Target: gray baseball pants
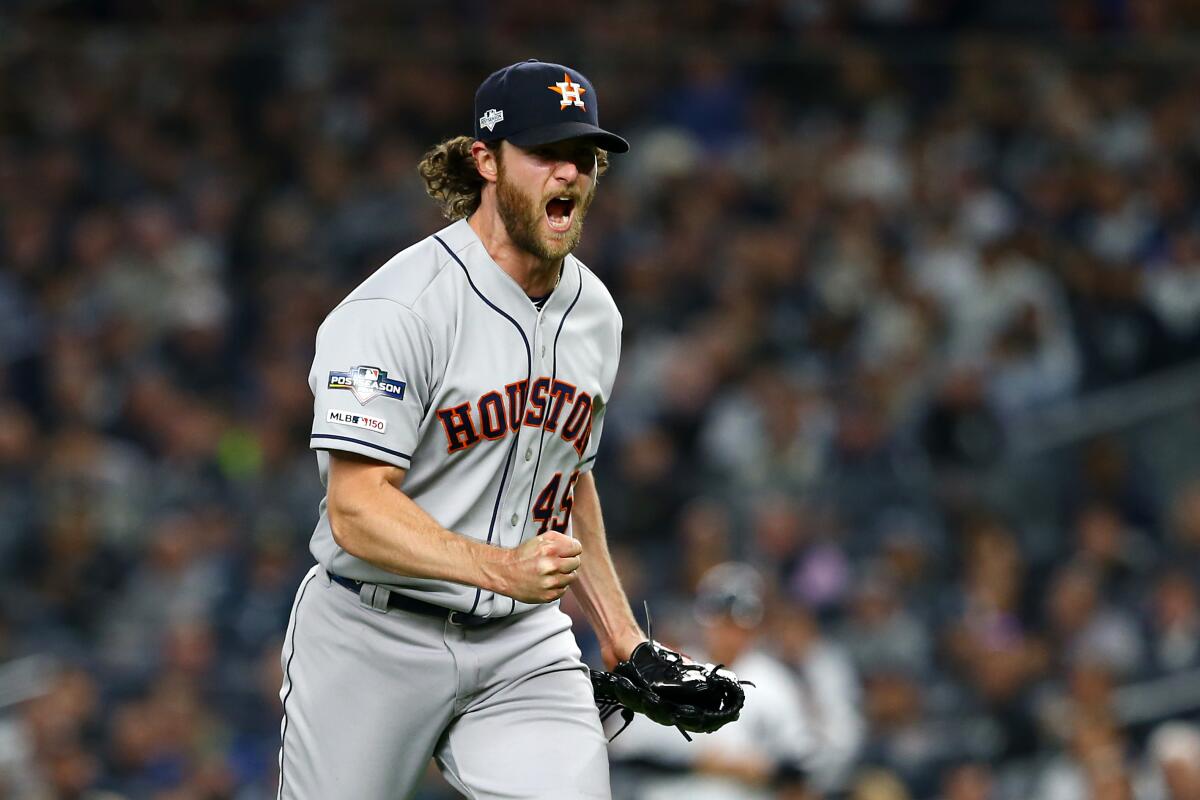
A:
(506, 709)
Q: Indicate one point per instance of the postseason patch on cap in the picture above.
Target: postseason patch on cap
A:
(490, 118)
(367, 383)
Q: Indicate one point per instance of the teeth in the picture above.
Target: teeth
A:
(561, 219)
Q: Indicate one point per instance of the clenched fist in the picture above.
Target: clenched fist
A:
(541, 569)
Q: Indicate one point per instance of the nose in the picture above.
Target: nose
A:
(566, 171)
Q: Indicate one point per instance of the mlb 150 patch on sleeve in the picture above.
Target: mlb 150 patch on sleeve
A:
(356, 420)
(367, 383)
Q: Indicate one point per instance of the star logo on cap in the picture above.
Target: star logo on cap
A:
(572, 93)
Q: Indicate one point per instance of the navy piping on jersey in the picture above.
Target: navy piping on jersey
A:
(586, 461)
(546, 416)
(287, 674)
(512, 448)
(397, 453)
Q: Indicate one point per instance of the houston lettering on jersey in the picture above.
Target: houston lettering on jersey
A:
(501, 412)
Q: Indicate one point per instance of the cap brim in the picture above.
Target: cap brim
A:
(561, 131)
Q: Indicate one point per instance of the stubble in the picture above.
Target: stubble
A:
(523, 216)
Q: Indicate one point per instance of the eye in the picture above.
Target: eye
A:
(582, 156)
(586, 162)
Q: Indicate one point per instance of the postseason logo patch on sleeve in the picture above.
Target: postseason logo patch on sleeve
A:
(339, 417)
(367, 383)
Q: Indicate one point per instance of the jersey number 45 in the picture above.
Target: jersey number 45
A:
(544, 507)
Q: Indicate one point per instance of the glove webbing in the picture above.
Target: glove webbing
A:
(650, 636)
(610, 707)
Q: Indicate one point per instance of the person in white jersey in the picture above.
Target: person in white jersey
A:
(774, 749)
(459, 394)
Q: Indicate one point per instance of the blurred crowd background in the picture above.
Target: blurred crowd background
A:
(911, 293)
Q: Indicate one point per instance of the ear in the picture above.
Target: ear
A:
(485, 161)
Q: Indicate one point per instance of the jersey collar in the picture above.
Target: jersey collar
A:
(498, 285)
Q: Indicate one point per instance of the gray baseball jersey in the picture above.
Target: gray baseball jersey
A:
(439, 363)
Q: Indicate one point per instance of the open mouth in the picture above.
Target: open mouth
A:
(559, 212)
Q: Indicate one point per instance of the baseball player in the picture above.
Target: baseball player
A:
(770, 752)
(459, 400)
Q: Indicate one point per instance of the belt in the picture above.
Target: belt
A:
(406, 603)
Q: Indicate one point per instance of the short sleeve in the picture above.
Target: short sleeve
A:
(371, 380)
(591, 439)
(591, 444)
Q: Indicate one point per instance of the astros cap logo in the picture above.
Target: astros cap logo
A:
(571, 93)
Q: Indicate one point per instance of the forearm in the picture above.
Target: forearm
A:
(376, 522)
(598, 588)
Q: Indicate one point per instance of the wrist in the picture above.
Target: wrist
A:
(620, 647)
(491, 566)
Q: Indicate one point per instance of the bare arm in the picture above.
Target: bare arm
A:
(374, 520)
(599, 589)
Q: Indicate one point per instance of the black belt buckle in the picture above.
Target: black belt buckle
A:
(461, 619)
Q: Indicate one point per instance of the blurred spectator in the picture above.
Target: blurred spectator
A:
(1173, 291)
(881, 634)
(960, 428)
(830, 691)
(1086, 692)
(1092, 766)
(704, 537)
(18, 500)
(773, 427)
(1173, 754)
(774, 744)
(1089, 628)
(879, 785)
(1173, 637)
(905, 735)
(800, 544)
(968, 782)
(989, 640)
(1119, 555)
(176, 583)
(1108, 475)
(1185, 523)
(51, 750)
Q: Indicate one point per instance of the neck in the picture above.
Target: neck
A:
(536, 276)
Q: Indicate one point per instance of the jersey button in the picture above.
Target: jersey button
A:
(543, 351)
(528, 453)
(514, 519)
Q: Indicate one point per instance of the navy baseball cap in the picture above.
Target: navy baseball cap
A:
(534, 102)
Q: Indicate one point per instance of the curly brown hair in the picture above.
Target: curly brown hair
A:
(452, 179)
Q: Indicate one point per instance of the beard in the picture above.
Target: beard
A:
(524, 217)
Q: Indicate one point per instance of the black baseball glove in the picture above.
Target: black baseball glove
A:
(670, 689)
